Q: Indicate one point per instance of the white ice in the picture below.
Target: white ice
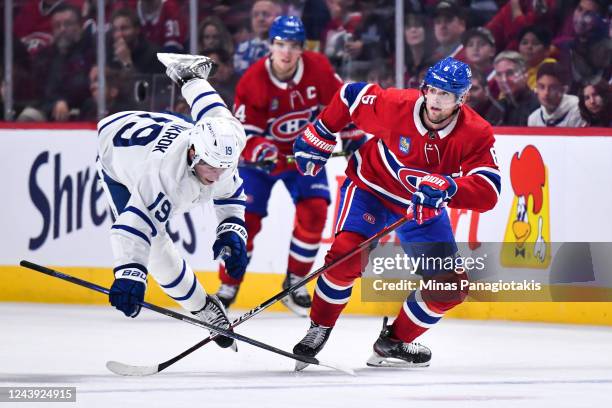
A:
(475, 363)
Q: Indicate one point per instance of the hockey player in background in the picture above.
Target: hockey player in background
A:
(428, 150)
(155, 165)
(275, 99)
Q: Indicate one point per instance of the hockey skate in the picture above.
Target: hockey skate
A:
(227, 294)
(183, 67)
(311, 344)
(390, 352)
(299, 300)
(214, 313)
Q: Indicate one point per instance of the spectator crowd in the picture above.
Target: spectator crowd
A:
(534, 62)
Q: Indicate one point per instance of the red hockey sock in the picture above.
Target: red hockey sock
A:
(424, 308)
(334, 287)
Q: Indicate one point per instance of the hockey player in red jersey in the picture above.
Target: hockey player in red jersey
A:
(275, 99)
(429, 150)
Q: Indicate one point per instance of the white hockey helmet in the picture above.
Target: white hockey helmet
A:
(215, 142)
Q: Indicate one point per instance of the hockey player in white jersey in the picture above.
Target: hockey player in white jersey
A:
(155, 165)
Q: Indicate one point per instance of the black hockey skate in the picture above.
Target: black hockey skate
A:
(299, 300)
(214, 313)
(311, 344)
(390, 352)
(227, 294)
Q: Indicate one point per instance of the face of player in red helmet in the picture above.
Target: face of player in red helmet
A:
(285, 55)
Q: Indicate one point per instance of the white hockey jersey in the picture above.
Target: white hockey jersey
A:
(147, 153)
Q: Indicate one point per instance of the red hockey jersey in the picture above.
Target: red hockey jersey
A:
(279, 110)
(167, 28)
(32, 24)
(402, 151)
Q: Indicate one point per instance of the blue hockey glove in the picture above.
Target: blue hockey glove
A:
(434, 190)
(231, 240)
(128, 289)
(352, 139)
(312, 148)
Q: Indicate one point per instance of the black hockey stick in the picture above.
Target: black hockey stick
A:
(124, 369)
(179, 316)
(290, 160)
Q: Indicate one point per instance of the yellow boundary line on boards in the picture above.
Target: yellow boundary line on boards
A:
(18, 284)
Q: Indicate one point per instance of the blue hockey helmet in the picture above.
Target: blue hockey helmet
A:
(287, 28)
(449, 75)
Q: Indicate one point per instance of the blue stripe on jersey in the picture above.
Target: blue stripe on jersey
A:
(351, 91)
(132, 230)
(250, 132)
(395, 166)
(177, 280)
(188, 295)
(356, 159)
(308, 253)
(238, 191)
(112, 121)
(144, 218)
(131, 265)
(209, 107)
(202, 95)
(227, 201)
(333, 293)
(495, 178)
(418, 312)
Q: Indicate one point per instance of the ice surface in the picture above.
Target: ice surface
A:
(475, 363)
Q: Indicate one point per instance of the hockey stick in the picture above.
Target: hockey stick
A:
(127, 369)
(290, 160)
(179, 316)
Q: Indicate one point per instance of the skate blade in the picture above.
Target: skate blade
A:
(299, 365)
(298, 310)
(168, 58)
(378, 361)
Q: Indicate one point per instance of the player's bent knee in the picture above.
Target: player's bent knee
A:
(351, 269)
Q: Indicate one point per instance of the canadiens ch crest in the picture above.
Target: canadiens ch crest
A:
(404, 144)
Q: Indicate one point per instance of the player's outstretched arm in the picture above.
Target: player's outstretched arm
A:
(313, 148)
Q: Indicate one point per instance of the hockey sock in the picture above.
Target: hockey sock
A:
(174, 275)
(334, 287)
(424, 308)
(310, 217)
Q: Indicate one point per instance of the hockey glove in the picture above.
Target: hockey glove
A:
(262, 152)
(312, 148)
(352, 139)
(433, 191)
(231, 239)
(128, 289)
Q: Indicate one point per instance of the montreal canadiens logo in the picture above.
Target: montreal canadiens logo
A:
(410, 178)
(369, 218)
(287, 127)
